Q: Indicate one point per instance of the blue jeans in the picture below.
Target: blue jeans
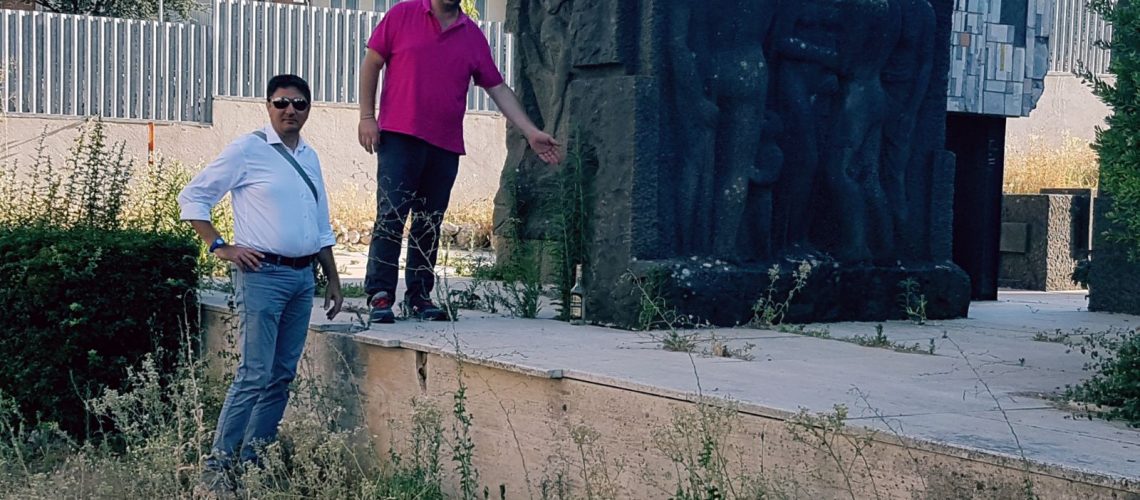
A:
(414, 177)
(274, 306)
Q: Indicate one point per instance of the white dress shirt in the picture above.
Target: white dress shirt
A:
(274, 210)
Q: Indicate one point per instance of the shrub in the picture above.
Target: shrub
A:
(1116, 145)
(1115, 384)
(80, 305)
(95, 272)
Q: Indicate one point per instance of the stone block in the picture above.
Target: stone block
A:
(1114, 280)
(1014, 237)
(1043, 237)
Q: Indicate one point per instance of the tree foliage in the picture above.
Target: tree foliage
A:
(1118, 145)
(133, 9)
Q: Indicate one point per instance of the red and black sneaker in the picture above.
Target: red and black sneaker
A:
(381, 308)
(425, 310)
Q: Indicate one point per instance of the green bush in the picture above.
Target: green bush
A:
(1115, 384)
(80, 305)
(1117, 144)
(96, 270)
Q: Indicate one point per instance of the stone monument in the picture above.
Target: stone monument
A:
(718, 139)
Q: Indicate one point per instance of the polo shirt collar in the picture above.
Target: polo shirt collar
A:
(271, 137)
(463, 19)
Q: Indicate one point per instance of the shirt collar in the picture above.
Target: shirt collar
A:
(271, 137)
(463, 19)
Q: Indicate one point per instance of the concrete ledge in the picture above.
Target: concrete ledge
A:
(934, 431)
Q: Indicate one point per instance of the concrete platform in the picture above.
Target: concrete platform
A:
(979, 398)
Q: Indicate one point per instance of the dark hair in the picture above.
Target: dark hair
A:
(286, 81)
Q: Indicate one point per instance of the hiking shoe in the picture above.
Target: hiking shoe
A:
(381, 308)
(216, 485)
(425, 310)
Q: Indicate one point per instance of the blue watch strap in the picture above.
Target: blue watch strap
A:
(217, 243)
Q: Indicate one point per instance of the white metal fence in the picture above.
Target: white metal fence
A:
(1075, 33)
(78, 65)
(59, 64)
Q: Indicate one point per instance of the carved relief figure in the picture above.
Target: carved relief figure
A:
(695, 118)
(804, 49)
(548, 59)
(851, 179)
(739, 84)
(906, 80)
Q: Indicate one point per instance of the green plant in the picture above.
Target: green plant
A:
(654, 311)
(599, 479)
(769, 310)
(1116, 145)
(1057, 337)
(1114, 360)
(913, 301)
(571, 222)
(826, 432)
(698, 443)
(463, 446)
(880, 340)
(80, 305)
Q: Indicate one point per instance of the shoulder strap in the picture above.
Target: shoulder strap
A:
(292, 161)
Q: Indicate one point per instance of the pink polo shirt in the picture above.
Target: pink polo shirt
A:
(425, 88)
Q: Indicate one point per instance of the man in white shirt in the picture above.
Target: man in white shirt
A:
(281, 227)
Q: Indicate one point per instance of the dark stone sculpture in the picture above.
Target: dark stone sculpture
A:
(724, 137)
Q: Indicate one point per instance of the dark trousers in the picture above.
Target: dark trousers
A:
(413, 177)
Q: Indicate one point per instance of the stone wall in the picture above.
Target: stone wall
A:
(531, 427)
(999, 55)
(331, 130)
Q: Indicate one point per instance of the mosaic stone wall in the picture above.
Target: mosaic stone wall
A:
(999, 55)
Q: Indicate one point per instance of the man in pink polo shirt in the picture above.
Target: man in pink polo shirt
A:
(432, 51)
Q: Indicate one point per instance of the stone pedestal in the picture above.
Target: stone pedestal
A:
(710, 147)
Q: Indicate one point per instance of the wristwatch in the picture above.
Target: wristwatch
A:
(220, 242)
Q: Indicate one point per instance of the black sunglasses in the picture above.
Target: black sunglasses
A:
(299, 104)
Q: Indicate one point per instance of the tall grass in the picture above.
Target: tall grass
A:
(1072, 164)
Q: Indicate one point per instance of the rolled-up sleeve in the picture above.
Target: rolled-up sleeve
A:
(324, 225)
(208, 187)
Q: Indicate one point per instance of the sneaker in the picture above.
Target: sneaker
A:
(425, 310)
(216, 485)
(381, 308)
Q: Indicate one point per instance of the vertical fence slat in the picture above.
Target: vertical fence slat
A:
(23, 46)
(6, 62)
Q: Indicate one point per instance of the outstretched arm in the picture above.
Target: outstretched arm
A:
(547, 148)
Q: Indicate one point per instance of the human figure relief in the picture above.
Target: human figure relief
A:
(689, 205)
(548, 58)
(851, 179)
(804, 52)
(906, 80)
(739, 84)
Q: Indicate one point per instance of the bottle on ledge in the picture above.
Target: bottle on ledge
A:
(577, 300)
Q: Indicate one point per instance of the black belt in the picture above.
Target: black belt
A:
(293, 262)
